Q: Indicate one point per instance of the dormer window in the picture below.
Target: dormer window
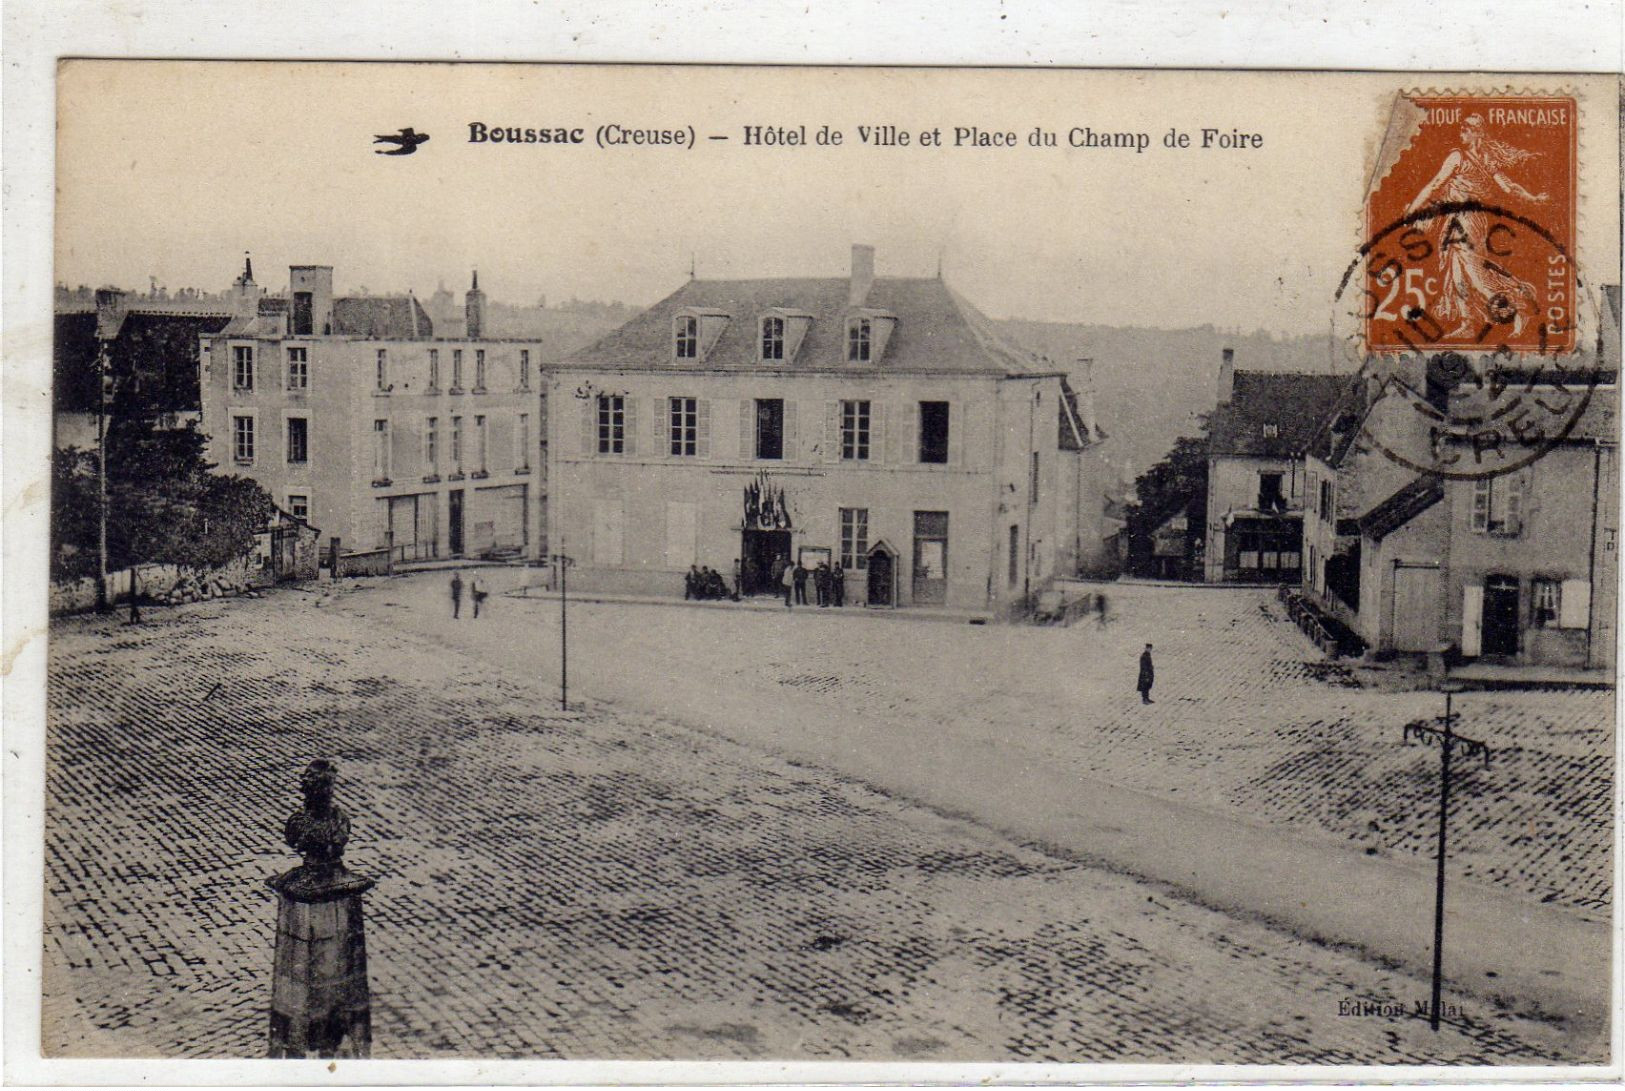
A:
(688, 337)
(859, 337)
(772, 338)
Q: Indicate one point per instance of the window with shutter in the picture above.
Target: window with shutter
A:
(1574, 606)
(631, 425)
(589, 427)
(747, 429)
(703, 429)
(790, 452)
(832, 431)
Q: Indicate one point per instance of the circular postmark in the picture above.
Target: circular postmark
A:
(1468, 370)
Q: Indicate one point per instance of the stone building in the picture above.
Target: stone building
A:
(357, 418)
(1518, 567)
(150, 338)
(1256, 436)
(877, 422)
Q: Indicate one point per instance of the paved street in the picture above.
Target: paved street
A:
(608, 883)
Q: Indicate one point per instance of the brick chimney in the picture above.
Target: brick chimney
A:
(111, 304)
(474, 311)
(863, 274)
(1227, 376)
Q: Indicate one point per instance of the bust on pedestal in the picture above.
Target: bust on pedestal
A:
(320, 1001)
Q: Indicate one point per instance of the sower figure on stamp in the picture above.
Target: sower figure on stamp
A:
(1148, 675)
(456, 593)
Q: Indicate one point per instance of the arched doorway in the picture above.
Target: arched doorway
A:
(882, 569)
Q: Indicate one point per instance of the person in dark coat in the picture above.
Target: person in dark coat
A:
(691, 583)
(821, 583)
(456, 593)
(837, 584)
(1148, 675)
(801, 584)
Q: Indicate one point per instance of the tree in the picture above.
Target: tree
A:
(164, 502)
(1177, 483)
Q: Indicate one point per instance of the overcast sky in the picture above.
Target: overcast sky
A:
(173, 170)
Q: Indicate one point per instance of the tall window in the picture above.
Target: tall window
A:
(524, 369)
(482, 449)
(1498, 505)
(299, 506)
(298, 439)
(1326, 501)
(934, 432)
(242, 372)
(383, 369)
(457, 371)
(855, 431)
(242, 432)
(298, 368)
(769, 427)
(1270, 496)
(685, 426)
(611, 424)
(772, 338)
(858, 336)
(522, 441)
(688, 337)
(1015, 554)
(434, 369)
(457, 446)
(1546, 603)
(431, 445)
(479, 370)
(380, 451)
(854, 538)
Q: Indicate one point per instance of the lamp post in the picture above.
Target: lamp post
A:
(1445, 738)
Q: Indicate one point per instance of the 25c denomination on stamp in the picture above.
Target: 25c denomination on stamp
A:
(1472, 229)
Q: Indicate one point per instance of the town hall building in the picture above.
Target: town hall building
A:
(878, 423)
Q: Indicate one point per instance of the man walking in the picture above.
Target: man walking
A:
(1148, 675)
(478, 588)
(456, 593)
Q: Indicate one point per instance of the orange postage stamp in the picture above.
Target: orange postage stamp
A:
(1471, 222)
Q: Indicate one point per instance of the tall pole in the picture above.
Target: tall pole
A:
(564, 632)
(1438, 898)
(1447, 739)
(101, 473)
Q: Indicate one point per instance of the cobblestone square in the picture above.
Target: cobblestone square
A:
(642, 877)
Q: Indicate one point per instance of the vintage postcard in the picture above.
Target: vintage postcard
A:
(682, 563)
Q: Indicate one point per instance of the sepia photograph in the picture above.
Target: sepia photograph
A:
(950, 565)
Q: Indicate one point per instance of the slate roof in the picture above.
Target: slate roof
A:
(1410, 500)
(1296, 404)
(937, 331)
(381, 317)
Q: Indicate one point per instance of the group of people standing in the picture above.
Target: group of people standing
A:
(829, 582)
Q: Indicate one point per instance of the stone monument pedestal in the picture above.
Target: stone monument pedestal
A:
(321, 1003)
